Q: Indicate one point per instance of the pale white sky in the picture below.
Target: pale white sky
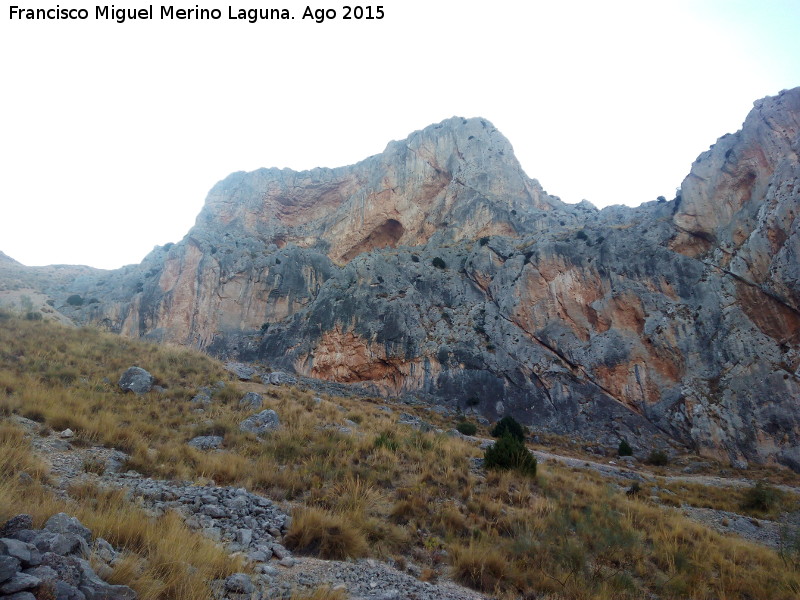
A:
(111, 135)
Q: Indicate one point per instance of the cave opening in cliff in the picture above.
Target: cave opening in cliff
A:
(385, 235)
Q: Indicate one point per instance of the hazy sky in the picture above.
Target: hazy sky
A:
(112, 134)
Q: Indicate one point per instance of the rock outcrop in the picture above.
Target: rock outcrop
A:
(439, 269)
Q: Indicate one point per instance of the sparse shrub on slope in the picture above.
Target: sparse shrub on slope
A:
(761, 497)
(510, 453)
(509, 425)
(75, 300)
(480, 568)
(657, 458)
(320, 533)
(467, 428)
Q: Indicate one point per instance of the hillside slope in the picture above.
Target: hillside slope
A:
(439, 269)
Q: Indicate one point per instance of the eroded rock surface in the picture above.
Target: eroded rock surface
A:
(439, 269)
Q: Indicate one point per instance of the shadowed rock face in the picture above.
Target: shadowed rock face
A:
(439, 269)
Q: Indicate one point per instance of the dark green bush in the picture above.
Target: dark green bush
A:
(657, 458)
(473, 401)
(761, 496)
(510, 453)
(467, 428)
(75, 300)
(439, 263)
(624, 449)
(386, 440)
(33, 316)
(509, 425)
(581, 235)
(484, 240)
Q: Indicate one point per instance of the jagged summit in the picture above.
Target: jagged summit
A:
(438, 269)
(458, 178)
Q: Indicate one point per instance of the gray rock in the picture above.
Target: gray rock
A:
(239, 583)
(95, 588)
(67, 567)
(63, 523)
(61, 543)
(43, 572)
(203, 397)
(251, 401)
(280, 378)
(206, 442)
(104, 550)
(261, 423)
(242, 371)
(22, 596)
(8, 566)
(280, 552)
(65, 591)
(244, 537)
(25, 552)
(19, 582)
(15, 524)
(215, 511)
(136, 380)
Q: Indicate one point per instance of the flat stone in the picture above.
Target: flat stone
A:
(206, 442)
(8, 566)
(63, 523)
(19, 582)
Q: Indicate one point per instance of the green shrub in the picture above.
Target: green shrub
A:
(509, 425)
(624, 449)
(581, 235)
(439, 263)
(657, 458)
(33, 316)
(467, 428)
(484, 240)
(75, 300)
(510, 453)
(761, 496)
(386, 440)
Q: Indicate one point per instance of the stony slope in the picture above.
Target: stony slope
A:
(439, 269)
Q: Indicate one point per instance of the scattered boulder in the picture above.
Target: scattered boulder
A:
(53, 573)
(206, 442)
(239, 583)
(63, 523)
(252, 401)
(415, 422)
(261, 423)
(8, 566)
(136, 380)
(15, 524)
(203, 396)
(279, 378)
(242, 371)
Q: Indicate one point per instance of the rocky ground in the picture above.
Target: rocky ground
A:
(245, 523)
(252, 525)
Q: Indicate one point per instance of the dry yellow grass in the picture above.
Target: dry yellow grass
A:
(386, 490)
(163, 559)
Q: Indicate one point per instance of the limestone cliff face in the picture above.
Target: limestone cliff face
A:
(439, 269)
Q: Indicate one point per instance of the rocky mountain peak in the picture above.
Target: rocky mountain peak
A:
(438, 270)
(458, 179)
